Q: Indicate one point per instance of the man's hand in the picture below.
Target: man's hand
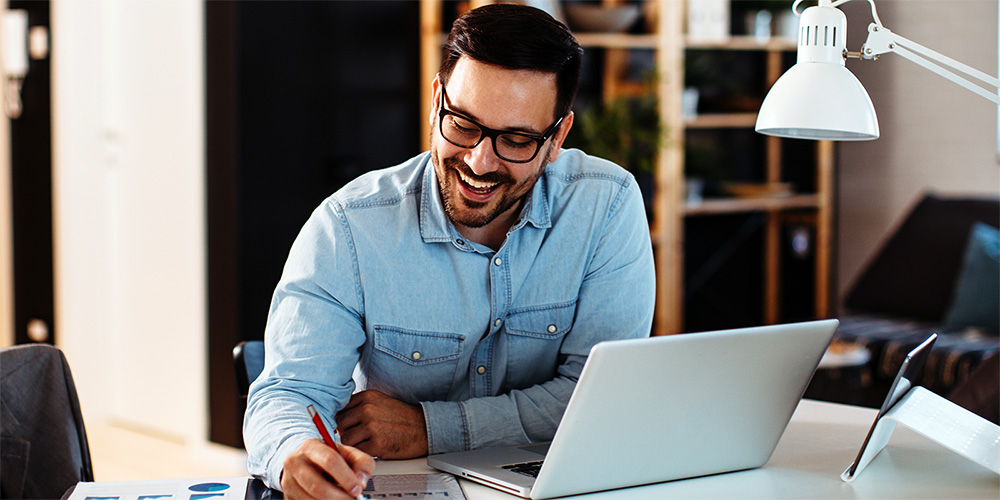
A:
(382, 426)
(315, 470)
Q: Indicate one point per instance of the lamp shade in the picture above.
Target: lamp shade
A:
(819, 101)
(819, 98)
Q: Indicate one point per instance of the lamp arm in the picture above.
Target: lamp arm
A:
(881, 40)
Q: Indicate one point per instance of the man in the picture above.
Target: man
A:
(456, 295)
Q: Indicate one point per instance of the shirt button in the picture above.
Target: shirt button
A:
(552, 328)
(497, 261)
(416, 355)
(497, 322)
(460, 242)
(481, 370)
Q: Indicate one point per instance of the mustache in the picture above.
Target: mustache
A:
(489, 177)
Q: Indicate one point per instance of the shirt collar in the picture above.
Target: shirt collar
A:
(434, 223)
(436, 227)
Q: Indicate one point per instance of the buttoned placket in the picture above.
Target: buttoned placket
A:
(480, 380)
(482, 375)
(499, 273)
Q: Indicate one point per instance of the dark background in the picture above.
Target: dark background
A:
(31, 191)
(301, 98)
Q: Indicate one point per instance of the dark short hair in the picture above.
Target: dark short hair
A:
(517, 37)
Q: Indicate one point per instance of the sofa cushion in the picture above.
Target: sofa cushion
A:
(976, 301)
(914, 273)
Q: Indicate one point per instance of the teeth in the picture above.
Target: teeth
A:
(475, 183)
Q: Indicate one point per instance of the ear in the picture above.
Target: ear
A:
(435, 98)
(560, 137)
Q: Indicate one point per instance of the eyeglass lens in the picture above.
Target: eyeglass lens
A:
(467, 134)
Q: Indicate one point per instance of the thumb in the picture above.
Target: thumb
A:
(361, 462)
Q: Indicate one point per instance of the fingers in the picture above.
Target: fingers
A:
(352, 418)
(360, 462)
(355, 435)
(315, 470)
(384, 426)
(302, 477)
(348, 418)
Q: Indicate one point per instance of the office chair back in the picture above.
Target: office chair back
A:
(44, 442)
(248, 359)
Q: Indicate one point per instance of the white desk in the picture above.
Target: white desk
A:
(819, 443)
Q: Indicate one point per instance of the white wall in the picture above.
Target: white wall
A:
(936, 136)
(129, 214)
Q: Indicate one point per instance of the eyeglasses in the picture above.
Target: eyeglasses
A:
(515, 147)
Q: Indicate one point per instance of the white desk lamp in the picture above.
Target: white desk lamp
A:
(819, 98)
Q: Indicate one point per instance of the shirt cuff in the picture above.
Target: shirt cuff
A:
(277, 463)
(447, 426)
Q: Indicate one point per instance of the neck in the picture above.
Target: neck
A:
(494, 233)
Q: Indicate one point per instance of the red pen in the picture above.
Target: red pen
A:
(326, 436)
(321, 428)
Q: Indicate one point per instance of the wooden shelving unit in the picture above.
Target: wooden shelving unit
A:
(670, 210)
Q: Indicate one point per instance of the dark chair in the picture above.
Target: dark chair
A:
(43, 442)
(248, 359)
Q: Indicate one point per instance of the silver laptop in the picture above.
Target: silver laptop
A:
(662, 408)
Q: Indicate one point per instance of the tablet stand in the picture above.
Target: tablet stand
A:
(942, 421)
(931, 415)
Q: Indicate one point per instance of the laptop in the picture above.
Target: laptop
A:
(662, 408)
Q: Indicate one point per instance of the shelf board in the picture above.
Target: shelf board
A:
(744, 43)
(617, 40)
(652, 41)
(737, 205)
(723, 120)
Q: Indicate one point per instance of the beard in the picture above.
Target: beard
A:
(508, 193)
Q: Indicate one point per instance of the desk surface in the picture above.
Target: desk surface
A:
(820, 442)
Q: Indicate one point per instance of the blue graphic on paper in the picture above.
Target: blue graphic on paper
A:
(207, 487)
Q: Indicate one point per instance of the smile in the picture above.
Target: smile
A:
(476, 185)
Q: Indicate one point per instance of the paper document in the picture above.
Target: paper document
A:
(437, 486)
(234, 488)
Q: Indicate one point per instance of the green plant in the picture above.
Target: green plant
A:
(626, 131)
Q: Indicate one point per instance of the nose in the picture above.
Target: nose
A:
(482, 159)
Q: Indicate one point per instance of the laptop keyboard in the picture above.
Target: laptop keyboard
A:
(529, 469)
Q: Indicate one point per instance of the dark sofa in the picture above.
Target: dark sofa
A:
(925, 279)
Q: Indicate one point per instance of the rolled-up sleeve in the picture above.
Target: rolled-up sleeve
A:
(312, 342)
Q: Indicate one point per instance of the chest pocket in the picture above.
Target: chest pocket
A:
(534, 336)
(413, 366)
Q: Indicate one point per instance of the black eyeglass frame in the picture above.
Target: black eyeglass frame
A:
(485, 131)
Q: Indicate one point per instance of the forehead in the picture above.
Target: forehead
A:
(503, 98)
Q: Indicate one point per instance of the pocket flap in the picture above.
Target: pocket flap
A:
(549, 321)
(418, 348)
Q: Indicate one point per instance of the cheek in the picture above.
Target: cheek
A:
(445, 149)
(439, 167)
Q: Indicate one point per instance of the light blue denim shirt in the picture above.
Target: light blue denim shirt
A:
(380, 291)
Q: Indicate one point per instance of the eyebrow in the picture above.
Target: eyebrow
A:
(519, 129)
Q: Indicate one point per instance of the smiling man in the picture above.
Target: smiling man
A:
(450, 302)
